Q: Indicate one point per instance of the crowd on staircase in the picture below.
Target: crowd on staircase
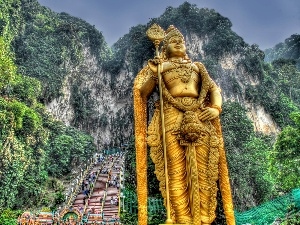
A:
(99, 195)
(93, 197)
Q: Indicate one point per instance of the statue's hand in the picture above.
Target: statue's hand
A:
(208, 114)
(152, 63)
(155, 61)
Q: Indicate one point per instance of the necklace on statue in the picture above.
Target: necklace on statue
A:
(180, 60)
(185, 74)
(183, 69)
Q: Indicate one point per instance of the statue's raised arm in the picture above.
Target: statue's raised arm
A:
(184, 136)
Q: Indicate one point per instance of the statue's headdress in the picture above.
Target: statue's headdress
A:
(172, 31)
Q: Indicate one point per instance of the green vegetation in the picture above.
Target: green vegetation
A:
(35, 149)
(49, 43)
(40, 50)
(137, 48)
(204, 23)
(246, 154)
(279, 91)
(84, 105)
(285, 157)
(9, 217)
(289, 49)
(51, 48)
(129, 218)
(292, 217)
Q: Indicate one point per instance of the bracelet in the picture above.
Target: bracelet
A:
(217, 107)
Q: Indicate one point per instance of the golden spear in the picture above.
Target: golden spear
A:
(156, 34)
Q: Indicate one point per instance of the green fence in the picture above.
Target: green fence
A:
(264, 214)
(155, 205)
(112, 151)
(130, 201)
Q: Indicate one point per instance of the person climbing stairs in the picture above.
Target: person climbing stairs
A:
(98, 199)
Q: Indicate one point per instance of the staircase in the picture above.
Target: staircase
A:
(99, 192)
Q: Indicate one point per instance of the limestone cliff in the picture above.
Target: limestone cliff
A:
(111, 120)
(89, 85)
(109, 123)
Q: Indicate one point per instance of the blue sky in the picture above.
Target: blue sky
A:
(262, 22)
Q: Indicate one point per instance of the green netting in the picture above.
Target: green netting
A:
(267, 213)
(296, 197)
(264, 214)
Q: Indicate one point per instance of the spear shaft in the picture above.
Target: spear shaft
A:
(169, 220)
(156, 34)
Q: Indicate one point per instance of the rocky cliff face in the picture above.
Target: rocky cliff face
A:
(232, 78)
(111, 122)
(89, 86)
(108, 123)
(94, 84)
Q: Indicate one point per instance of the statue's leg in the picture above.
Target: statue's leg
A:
(207, 175)
(178, 191)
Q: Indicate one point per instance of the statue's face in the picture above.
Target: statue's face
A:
(176, 47)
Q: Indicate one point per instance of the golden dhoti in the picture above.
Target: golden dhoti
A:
(194, 150)
(192, 164)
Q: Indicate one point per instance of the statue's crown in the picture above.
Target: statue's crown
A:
(172, 32)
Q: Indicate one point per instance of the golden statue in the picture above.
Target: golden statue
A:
(184, 135)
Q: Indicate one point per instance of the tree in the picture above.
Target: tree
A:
(285, 157)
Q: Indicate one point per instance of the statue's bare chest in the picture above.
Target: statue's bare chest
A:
(181, 80)
(181, 73)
